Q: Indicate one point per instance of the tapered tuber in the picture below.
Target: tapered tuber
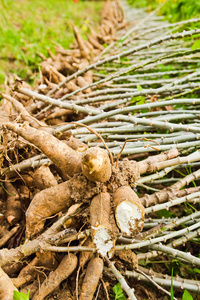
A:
(46, 260)
(95, 43)
(6, 286)
(83, 48)
(13, 204)
(82, 83)
(64, 270)
(26, 274)
(63, 156)
(96, 164)
(43, 178)
(45, 204)
(53, 200)
(85, 256)
(8, 235)
(91, 279)
(101, 228)
(51, 73)
(129, 212)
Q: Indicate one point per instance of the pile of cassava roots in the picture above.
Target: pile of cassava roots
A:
(76, 216)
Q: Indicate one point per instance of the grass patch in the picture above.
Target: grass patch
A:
(28, 27)
(174, 10)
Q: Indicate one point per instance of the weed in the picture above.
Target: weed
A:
(174, 10)
(20, 296)
(171, 290)
(119, 295)
(187, 296)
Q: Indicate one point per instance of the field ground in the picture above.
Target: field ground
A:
(38, 26)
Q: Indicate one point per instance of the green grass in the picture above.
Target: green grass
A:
(28, 27)
(174, 10)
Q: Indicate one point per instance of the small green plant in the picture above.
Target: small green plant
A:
(119, 295)
(164, 213)
(20, 296)
(196, 45)
(174, 10)
(172, 290)
(187, 296)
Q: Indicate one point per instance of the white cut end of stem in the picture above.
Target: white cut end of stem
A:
(103, 241)
(129, 218)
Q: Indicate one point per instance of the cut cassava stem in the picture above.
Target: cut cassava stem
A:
(61, 155)
(170, 193)
(123, 54)
(131, 140)
(122, 281)
(129, 212)
(101, 228)
(149, 165)
(154, 283)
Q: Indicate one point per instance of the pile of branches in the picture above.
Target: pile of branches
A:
(73, 203)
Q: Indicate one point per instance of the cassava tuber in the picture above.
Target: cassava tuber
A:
(101, 228)
(63, 156)
(64, 270)
(96, 164)
(129, 212)
(13, 204)
(91, 279)
(6, 286)
(45, 204)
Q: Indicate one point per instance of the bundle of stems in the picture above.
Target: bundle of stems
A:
(101, 158)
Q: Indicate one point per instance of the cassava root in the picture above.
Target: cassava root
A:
(104, 196)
